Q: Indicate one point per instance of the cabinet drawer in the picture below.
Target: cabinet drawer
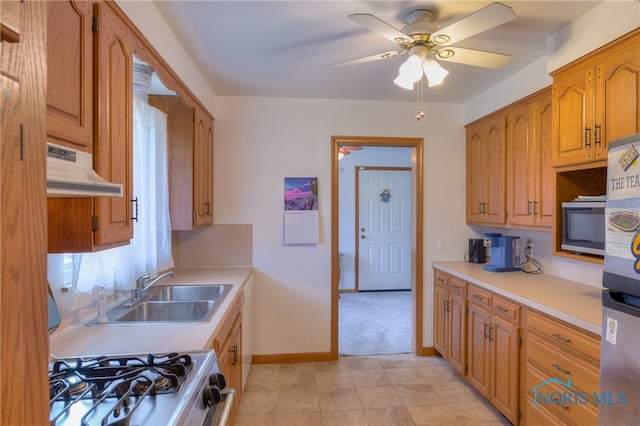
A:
(562, 401)
(441, 279)
(506, 308)
(539, 415)
(557, 364)
(564, 336)
(456, 285)
(479, 296)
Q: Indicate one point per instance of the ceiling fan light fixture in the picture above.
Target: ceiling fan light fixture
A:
(434, 72)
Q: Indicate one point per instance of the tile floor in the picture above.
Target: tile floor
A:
(389, 390)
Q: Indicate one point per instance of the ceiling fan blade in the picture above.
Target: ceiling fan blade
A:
(478, 58)
(488, 17)
(377, 25)
(385, 55)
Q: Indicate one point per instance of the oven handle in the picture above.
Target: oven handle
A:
(228, 396)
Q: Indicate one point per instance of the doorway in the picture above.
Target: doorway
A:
(383, 228)
(416, 267)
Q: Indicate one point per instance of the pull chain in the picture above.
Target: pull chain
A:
(420, 112)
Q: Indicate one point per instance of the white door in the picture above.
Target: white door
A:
(384, 229)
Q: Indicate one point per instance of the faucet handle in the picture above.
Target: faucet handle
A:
(141, 279)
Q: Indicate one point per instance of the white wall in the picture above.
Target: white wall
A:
(259, 141)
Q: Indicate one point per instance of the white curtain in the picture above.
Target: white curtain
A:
(150, 248)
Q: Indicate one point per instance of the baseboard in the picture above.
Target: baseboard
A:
(287, 358)
(429, 351)
(314, 357)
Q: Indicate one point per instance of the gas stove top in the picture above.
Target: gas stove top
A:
(150, 389)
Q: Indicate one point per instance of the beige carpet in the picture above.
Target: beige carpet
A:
(374, 323)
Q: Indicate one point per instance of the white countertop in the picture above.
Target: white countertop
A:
(576, 303)
(80, 340)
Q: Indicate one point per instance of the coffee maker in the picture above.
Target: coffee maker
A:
(504, 252)
(477, 252)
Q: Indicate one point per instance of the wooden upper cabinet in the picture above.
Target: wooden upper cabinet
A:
(203, 169)
(190, 146)
(92, 224)
(529, 170)
(595, 101)
(113, 147)
(617, 93)
(70, 74)
(486, 170)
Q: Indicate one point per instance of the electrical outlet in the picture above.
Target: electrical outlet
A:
(442, 244)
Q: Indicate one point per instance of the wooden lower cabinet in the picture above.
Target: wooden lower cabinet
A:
(533, 368)
(561, 369)
(493, 355)
(450, 320)
(228, 346)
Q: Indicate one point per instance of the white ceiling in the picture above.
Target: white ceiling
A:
(282, 48)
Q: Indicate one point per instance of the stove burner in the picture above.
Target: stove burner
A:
(128, 390)
(76, 385)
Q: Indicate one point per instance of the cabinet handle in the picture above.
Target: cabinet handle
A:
(587, 137)
(491, 334)
(561, 338)
(480, 298)
(135, 209)
(441, 280)
(486, 331)
(207, 208)
(502, 309)
(535, 208)
(557, 402)
(446, 306)
(596, 134)
(529, 208)
(234, 349)
(560, 369)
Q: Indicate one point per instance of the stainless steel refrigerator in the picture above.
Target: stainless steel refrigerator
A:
(619, 396)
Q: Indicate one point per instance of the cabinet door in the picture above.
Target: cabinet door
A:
(543, 207)
(441, 320)
(476, 173)
(573, 115)
(503, 395)
(70, 74)
(495, 136)
(457, 354)
(203, 169)
(479, 370)
(521, 171)
(113, 147)
(617, 94)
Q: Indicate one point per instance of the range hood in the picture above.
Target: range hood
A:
(70, 174)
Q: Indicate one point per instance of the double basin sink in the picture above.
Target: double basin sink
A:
(170, 304)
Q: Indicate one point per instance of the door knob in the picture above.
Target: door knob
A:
(362, 229)
(362, 237)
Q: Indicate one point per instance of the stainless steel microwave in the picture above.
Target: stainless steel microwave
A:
(583, 227)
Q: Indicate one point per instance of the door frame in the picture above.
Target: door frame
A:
(417, 239)
(357, 213)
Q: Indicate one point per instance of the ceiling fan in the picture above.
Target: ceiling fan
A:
(426, 43)
(346, 150)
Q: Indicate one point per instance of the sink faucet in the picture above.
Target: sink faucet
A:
(141, 288)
